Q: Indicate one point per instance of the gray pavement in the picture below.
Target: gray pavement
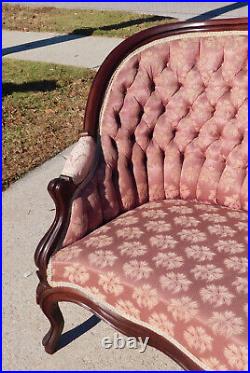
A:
(180, 10)
(86, 51)
(27, 214)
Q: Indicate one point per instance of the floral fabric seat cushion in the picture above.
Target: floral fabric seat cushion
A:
(178, 267)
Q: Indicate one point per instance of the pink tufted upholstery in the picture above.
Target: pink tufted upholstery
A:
(173, 125)
(178, 266)
(173, 134)
(175, 120)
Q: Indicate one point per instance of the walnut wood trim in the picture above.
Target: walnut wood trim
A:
(62, 191)
(49, 299)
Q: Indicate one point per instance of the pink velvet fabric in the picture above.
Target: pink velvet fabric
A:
(174, 125)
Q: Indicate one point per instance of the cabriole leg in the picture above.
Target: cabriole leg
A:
(53, 313)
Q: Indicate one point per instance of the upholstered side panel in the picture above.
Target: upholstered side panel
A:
(174, 122)
(93, 205)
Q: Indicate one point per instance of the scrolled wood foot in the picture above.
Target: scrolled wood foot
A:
(55, 317)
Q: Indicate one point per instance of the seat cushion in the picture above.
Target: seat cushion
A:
(177, 267)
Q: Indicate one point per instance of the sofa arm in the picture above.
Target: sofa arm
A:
(61, 190)
(81, 159)
(77, 173)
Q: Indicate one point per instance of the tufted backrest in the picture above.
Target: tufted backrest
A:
(174, 121)
(173, 124)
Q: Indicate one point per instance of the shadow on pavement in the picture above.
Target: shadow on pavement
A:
(219, 11)
(76, 332)
(39, 86)
(39, 43)
(79, 33)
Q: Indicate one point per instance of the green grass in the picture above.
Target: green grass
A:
(42, 112)
(88, 22)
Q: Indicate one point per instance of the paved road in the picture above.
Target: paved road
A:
(180, 10)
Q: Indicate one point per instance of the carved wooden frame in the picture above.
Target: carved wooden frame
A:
(62, 190)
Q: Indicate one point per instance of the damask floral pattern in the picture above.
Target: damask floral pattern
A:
(81, 159)
(178, 266)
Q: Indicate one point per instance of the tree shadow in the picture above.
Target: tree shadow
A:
(76, 332)
(39, 86)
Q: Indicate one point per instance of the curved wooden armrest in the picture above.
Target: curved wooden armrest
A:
(61, 190)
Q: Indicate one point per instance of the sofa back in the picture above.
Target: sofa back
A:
(174, 122)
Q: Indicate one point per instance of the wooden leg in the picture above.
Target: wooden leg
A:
(53, 313)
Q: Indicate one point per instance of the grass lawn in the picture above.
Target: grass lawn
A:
(88, 22)
(42, 112)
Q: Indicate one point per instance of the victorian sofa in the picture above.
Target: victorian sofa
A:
(150, 231)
